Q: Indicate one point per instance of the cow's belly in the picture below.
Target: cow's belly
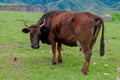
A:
(67, 36)
(69, 41)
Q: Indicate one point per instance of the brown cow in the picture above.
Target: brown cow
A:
(69, 28)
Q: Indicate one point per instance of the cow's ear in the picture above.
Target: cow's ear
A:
(25, 30)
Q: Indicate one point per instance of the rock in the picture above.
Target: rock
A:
(118, 69)
(94, 63)
(107, 17)
(50, 51)
(117, 78)
(106, 65)
(106, 74)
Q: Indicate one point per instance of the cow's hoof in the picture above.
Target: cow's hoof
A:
(84, 72)
(60, 61)
(53, 63)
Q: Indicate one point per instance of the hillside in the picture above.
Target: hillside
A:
(110, 2)
(76, 5)
(95, 6)
(30, 2)
(117, 6)
(24, 8)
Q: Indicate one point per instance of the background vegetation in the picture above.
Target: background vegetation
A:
(95, 6)
(19, 62)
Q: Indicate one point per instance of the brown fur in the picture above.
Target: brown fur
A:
(99, 23)
(48, 17)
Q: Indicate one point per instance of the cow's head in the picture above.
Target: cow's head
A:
(35, 33)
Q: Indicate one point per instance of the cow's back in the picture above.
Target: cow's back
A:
(68, 26)
(48, 17)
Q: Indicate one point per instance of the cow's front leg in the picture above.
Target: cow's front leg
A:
(59, 52)
(53, 46)
(54, 53)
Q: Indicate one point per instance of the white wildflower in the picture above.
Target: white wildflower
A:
(106, 74)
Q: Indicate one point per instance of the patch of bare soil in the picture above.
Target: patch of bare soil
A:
(1, 46)
(16, 64)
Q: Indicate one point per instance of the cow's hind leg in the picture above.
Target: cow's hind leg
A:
(59, 48)
(87, 52)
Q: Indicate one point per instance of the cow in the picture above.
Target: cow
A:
(69, 28)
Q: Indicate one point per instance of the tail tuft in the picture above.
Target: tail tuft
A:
(102, 47)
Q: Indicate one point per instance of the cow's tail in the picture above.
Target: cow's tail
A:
(102, 40)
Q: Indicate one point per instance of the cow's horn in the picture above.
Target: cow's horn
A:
(25, 24)
(43, 23)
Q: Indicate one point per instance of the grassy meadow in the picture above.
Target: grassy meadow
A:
(36, 64)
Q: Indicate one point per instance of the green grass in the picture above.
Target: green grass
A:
(116, 16)
(36, 64)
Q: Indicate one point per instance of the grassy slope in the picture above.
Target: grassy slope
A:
(35, 64)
